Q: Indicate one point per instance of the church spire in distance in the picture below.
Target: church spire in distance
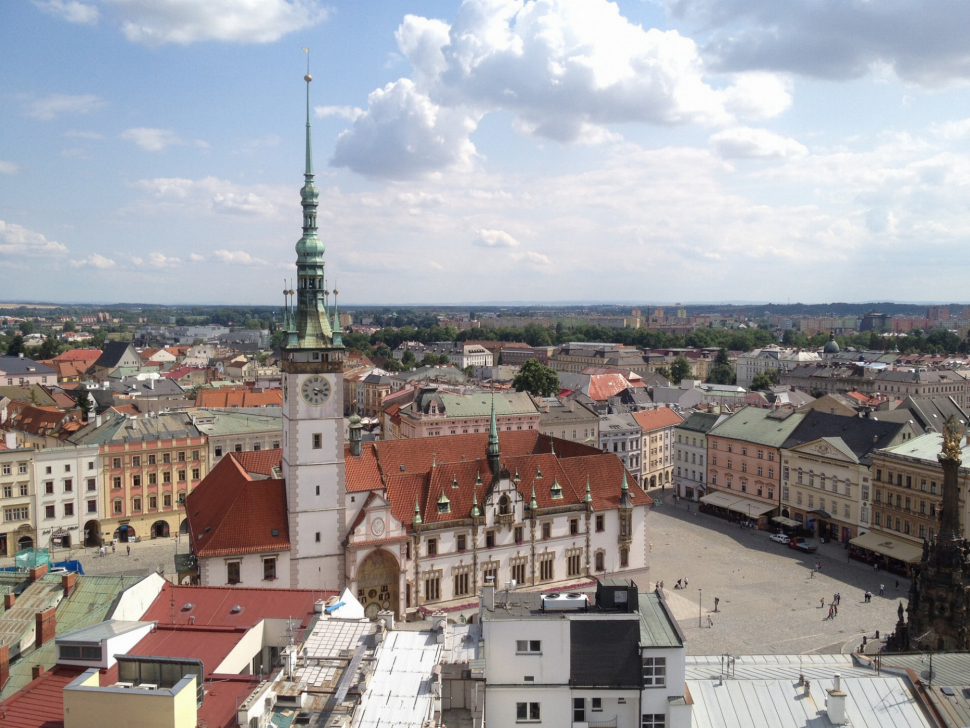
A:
(313, 327)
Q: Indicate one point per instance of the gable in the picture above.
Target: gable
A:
(831, 448)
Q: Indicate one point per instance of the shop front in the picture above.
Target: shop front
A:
(885, 552)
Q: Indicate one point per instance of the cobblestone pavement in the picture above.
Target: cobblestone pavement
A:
(147, 556)
(769, 602)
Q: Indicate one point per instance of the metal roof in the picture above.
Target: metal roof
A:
(399, 693)
(657, 627)
(102, 631)
(926, 447)
(759, 426)
(220, 422)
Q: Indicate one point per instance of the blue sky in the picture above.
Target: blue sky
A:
(486, 150)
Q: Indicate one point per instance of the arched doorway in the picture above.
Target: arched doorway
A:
(377, 583)
(124, 534)
(160, 529)
(653, 481)
(184, 526)
(785, 513)
(25, 542)
(92, 534)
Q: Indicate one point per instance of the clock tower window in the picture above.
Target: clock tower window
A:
(317, 441)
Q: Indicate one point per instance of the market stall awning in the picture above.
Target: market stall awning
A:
(821, 514)
(750, 507)
(719, 499)
(880, 543)
(782, 521)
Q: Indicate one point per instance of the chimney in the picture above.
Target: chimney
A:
(488, 595)
(36, 671)
(68, 581)
(9, 600)
(46, 626)
(11, 440)
(37, 572)
(836, 702)
(4, 664)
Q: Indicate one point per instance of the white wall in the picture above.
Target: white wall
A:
(555, 705)
(136, 599)
(214, 570)
(503, 666)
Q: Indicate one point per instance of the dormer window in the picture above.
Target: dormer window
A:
(444, 505)
(556, 490)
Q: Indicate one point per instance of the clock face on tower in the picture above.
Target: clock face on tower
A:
(315, 390)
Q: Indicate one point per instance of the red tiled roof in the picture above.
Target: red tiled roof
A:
(212, 605)
(40, 703)
(654, 419)
(228, 397)
(39, 421)
(125, 409)
(259, 462)
(147, 354)
(604, 386)
(230, 513)
(86, 355)
(180, 372)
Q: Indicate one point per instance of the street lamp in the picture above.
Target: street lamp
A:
(700, 608)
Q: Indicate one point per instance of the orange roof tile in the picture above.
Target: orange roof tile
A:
(230, 513)
(229, 397)
(654, 419)
(260, 462)
(604, 386)
(86, 355)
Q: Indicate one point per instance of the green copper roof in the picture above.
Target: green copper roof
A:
(759, 426)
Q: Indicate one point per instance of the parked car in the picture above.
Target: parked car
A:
(780, 538)
(802, 545)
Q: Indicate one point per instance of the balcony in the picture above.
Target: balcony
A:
(506, 518)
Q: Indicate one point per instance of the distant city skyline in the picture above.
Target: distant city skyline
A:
(485, 153)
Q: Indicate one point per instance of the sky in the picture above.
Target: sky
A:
(642, 151)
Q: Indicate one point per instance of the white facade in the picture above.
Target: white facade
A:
(67, 496)
(471, 355)
(265, 570)
(620, 434)
(313, 467)
(759, 361)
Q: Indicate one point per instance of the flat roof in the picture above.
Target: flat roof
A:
(657, 627)
(101, 631)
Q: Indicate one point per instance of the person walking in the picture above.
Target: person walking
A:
(112, 547)
(821, 603)
(882, 588)
(838, 598)
(716, 600)
(831, 612)
(710, 622)
(836, 608)
(685, 582)
(129, 549)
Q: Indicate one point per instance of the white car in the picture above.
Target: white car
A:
(780, 538)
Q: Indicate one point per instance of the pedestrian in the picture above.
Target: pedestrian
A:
(875, 566)
(838, 598)
(112, 547)
(897, 583)
(716, 600)
(710, 622)
(836, 608)
(821, 603)
(882, 588)
(129, 549)
(813, 573)
(831, 612)
(685, 582)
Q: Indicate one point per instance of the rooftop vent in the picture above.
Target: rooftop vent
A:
(236, 609)
(571, 601)
(187, 606)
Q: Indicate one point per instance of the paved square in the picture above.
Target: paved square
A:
(769, 602)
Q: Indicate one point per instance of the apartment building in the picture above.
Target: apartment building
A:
(690, 454)
(657, 445)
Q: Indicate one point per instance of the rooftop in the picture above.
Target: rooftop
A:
(759, 426)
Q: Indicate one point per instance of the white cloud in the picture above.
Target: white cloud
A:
(69, 10)
(196, 258)
(158, 260)
(344, 112)
(50, 107)
(157, 22)
(531, 257)
(16, 240)
(213, 195)
(405, 134)
(151, 140)
(9, 167)
(746, 143)
(95, 260)
(495, 239)
(952, 129)
(237, 257)
(565, 70)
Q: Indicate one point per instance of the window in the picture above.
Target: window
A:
(92, 484)
(151, 459)
(526, 712)
(525, 647)
(579, 710)
(68, 509)
(771, 457)
(181, 476)
(23, 489)
(784, 492)
(92, 506)
(317, 441)
(21, 513)
(167, 476)
(462, 542)
(489, 539)
(218, 451)
(153, 502)
(232, 572)
(574, 564)
(624, 557)
(49, 512)
(771, 472)
(461, 584)
(432, 547)
(135, 481)
(546, 530)
(878, 519)
(182, 455)
(490, 571)
(116, 462)
(798, 497)
(195, 453)
(153, 478)
(269, 569)
(136, 461)
(6, 468)
(597, 705)
(600, 560)
(136, 504)
(761, 454)
(518, 534)
(49, 487)
(784, 473)
(653, 720)
(518, 572)
(546, 570)
(195, 473)
(654, 671)
(166, 458)
(432, 587)
(117, 506)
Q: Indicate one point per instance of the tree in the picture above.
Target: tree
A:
(536, 379)
(722, 372)
(97, 341)
(429, 360)
(81, 397)
(391, 365)
(26, 327)
(536, 335)
(49, 349)
(69, 326)
(16, 346)
(444, 360)
(765, 380)
(665, 373)
(679, 370)
(408, 361)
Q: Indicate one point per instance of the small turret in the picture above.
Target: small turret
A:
(476, 512)
(492, 452)
(417, 512)
(625, 493)
(355, 435)
(533, 505)
(588, 498)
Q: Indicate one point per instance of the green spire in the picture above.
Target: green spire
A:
(532, 501)
(444, 503)
(417, 511)
(478, 478)
(588, 498)
(454, 481)
(338, 339)
(624, 492)
(493, 451)
(556, 489)
(476, 513)
(312, 325)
